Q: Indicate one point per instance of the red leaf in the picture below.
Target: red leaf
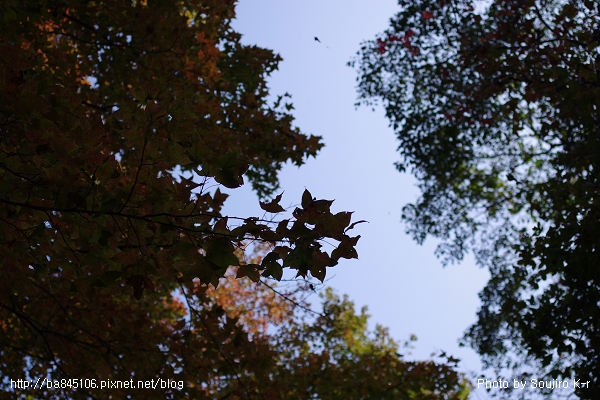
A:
(381, 46)
(427, 14)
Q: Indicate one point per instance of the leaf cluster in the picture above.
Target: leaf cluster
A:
(119, 121)
(241, 340)
(495, 106)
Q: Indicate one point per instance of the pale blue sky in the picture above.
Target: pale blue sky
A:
(403, 284)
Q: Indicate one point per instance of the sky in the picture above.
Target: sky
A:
(403, 284)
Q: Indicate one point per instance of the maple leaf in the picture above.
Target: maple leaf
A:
(273, 206)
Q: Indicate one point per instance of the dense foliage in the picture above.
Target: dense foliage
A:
(331, 354)
(110, 259)
(495, 106)
(101, 103)
(242, 340)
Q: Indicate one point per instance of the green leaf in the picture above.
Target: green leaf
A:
(274, 270)
(204, 270)
(220, 252)
(223, 259)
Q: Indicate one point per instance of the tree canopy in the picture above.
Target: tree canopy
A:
(495, 106)
(101, 104)
(119, 123)
(241, 340)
